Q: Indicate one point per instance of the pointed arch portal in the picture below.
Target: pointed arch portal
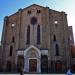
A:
(32, 57)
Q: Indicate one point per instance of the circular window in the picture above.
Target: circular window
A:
(56, 22)
(33, 20)
(13, 25)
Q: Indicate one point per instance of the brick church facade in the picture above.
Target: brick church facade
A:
(35, 40)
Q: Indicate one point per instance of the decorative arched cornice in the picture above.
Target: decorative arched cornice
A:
(29, 48)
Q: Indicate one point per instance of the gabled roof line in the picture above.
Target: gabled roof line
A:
(34, 5)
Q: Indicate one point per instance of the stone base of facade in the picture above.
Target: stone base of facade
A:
(34, 60)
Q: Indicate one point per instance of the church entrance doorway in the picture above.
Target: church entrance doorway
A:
(32, 56)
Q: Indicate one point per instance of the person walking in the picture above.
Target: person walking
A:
(69, 72)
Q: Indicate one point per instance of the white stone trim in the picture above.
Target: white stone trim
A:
(20, 52)
(27, 58)
(44, 52)
(25, 51)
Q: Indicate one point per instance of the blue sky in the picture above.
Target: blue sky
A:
(8, 7)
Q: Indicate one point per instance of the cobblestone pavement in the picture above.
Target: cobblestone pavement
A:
(35, 74)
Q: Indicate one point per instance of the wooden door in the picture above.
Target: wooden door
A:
(58, 66)
(33, 65)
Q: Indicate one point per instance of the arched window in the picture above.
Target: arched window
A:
(28, 35)
(38, 11)
(13, 39)
(11, 49)
(38, 34)
(54, 38)
(29, 11)
(57, 49)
